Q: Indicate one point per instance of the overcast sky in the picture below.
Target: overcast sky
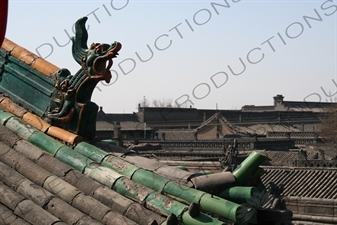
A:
(223, 54)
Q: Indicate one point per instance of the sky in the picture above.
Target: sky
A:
(203, 54)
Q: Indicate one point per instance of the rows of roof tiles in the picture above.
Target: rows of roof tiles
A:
(57, 192)
(303, 182)
(286, 158)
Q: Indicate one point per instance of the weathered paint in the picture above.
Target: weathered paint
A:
(189, 195)
(45, 142)
(150, 179)
(248, 166)
(64, 135)
(101, 174)
(22, 129)
(72, 158)
(120, 165)
(131, 189)
(228, 210)
(4, 116)
(91, 151)
(207, 202)
(166, 205)
(144, 193)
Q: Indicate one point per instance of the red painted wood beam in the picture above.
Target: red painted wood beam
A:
(3, 19)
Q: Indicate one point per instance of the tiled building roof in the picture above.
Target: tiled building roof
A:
(82, 189)
(310, 193)
(304, 182)
(57, 192)
(49, 175)
(286, 158)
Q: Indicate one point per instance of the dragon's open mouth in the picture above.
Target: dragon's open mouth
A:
(102, 64)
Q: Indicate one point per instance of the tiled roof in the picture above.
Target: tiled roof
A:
(51, 176)
(304, 182)
(286, 158)
(104, 126)
(114, 117)
(264, 128)
(72, 184)
(56, 191)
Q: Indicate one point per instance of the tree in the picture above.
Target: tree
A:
(144, 103)
(160, 103)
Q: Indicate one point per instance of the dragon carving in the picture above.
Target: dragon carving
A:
(72, 93)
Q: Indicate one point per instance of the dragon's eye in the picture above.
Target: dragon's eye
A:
(98, 49)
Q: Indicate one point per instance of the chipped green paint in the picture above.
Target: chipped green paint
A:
(21, 129)
(45, 142)
(4, 116)
(101, 174)
(91, 151)
(120, 165)
(131, 189)
(165, 204)
(72, 158)
(150, 179)
(217, 205)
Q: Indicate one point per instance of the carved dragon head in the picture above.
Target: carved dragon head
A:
(96, 60)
